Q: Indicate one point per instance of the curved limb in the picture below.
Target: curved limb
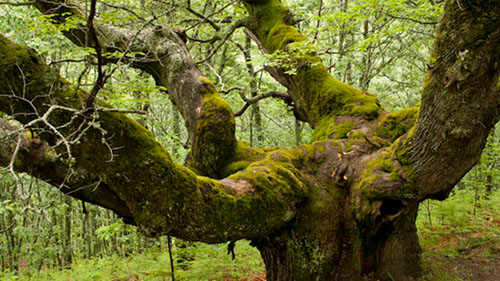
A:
(110, 149)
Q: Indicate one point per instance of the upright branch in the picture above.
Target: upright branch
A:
(312, 88)
(101, 77)
(460, 98)
(460, 104)
(160, 52)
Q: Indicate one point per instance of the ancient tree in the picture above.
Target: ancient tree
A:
(338, 208)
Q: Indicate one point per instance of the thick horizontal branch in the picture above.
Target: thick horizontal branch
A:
(107, 150)
(33, 156)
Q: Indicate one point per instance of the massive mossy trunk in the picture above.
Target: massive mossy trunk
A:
(348, 252)
(460, 105)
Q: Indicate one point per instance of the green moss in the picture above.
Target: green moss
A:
(306, 255)
(403, 146)
(357, 135)
(275, 168)
(18, 63)
(403, 154)
(235, 167)
(243, 156)
(382, 179)
(11, 54)
(209, 88)
(281, 35)
(395, 176)
(329, 129)
(270, 13)
(164, 198)
(365, 105)
(348, 147)
(325, 95)
(377, 175)
(215, 141)
(397, 123)
(314, 89)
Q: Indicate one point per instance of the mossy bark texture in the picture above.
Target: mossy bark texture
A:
(341, 208)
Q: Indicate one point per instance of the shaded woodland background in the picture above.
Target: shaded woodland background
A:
(374, 45)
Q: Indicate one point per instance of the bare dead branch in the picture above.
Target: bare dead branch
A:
(8, 227)
(230, 89)
(318, 24)
(412, 19)
(66, 60)
(29, 3)
(101, 76)
(213, 14)
(125, 9)
(225, 36)
(272, 94)
(215, 26)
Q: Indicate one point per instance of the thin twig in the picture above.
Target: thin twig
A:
(215, 26)
(101, 76)
(125, 9)
(413, 20)
(318, 25)
(17, 3)
(272, 94)
(66, 60)
(8, 227)
(225, 36)
(169, 242)
(212, 14)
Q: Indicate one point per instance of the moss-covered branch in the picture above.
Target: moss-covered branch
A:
(109, 149)
(161, 52)
(312, 88)
(460, 105)
(460, 98)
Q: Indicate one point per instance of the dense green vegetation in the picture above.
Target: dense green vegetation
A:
(378, 46)
(465, 225)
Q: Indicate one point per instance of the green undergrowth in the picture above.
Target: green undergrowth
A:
(459, 224)
(209, 262)
(461, 227)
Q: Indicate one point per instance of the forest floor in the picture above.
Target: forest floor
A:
(481, 263)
